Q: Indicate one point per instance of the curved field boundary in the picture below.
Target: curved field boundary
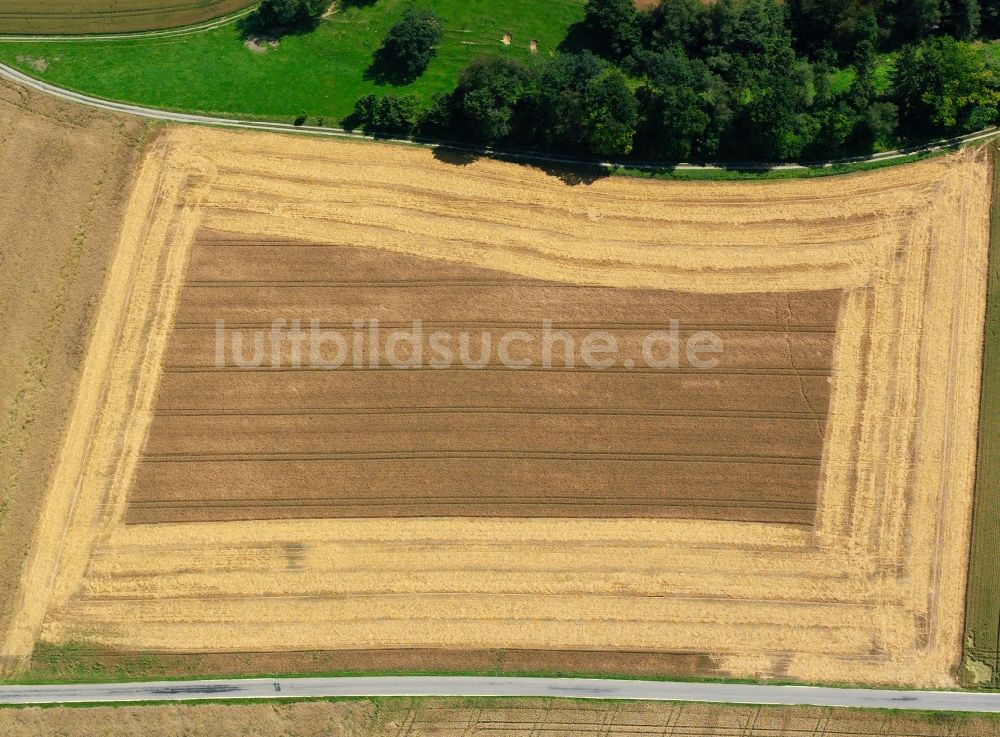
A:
(613, 166)
(188, 30)
(144, 22)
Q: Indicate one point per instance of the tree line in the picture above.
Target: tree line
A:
(774, 80)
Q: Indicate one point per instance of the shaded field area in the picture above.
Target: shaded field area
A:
(108, 16)
(982, 626)
(320, 74)
(66, 174)
(87, 663)
(479, 437)
(463, 717)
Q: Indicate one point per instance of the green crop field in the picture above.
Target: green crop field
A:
(320, 74)
(982, 625)
(108, 16)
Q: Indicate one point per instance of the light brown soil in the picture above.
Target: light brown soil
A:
(108, 16)
(66, 174)
(463, 717)
(374, 441)
(872, 592)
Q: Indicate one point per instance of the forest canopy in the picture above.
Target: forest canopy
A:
(735, 80)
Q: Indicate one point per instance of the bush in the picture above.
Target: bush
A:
(408, 46)
(388, 114)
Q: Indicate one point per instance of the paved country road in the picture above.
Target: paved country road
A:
(578, 688)
(168, 116)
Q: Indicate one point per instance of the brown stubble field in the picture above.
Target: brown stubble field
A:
(870, 591)
(742, 441)
(66, 174)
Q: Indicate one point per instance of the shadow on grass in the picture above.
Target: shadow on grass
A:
(578, 39)
(385, 70)
(254, 26)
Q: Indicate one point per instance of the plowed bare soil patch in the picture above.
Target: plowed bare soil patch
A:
(489, 440)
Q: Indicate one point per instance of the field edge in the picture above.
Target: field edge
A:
(982, 662)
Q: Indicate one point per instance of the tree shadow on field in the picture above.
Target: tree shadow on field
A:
(345, 4)
(454, 156)
(571, 174)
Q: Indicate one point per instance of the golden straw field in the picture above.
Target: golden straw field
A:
(866, 587)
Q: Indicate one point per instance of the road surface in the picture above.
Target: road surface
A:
(578, 688)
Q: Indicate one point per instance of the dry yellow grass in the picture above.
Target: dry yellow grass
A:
(872, 593)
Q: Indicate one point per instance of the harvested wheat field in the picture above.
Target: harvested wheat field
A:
(464, 717)
(58, 229)
(799, 509)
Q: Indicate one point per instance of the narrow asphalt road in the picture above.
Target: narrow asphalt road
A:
(577, 688)
(172, 117)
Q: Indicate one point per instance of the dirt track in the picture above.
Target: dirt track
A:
(873, 592)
